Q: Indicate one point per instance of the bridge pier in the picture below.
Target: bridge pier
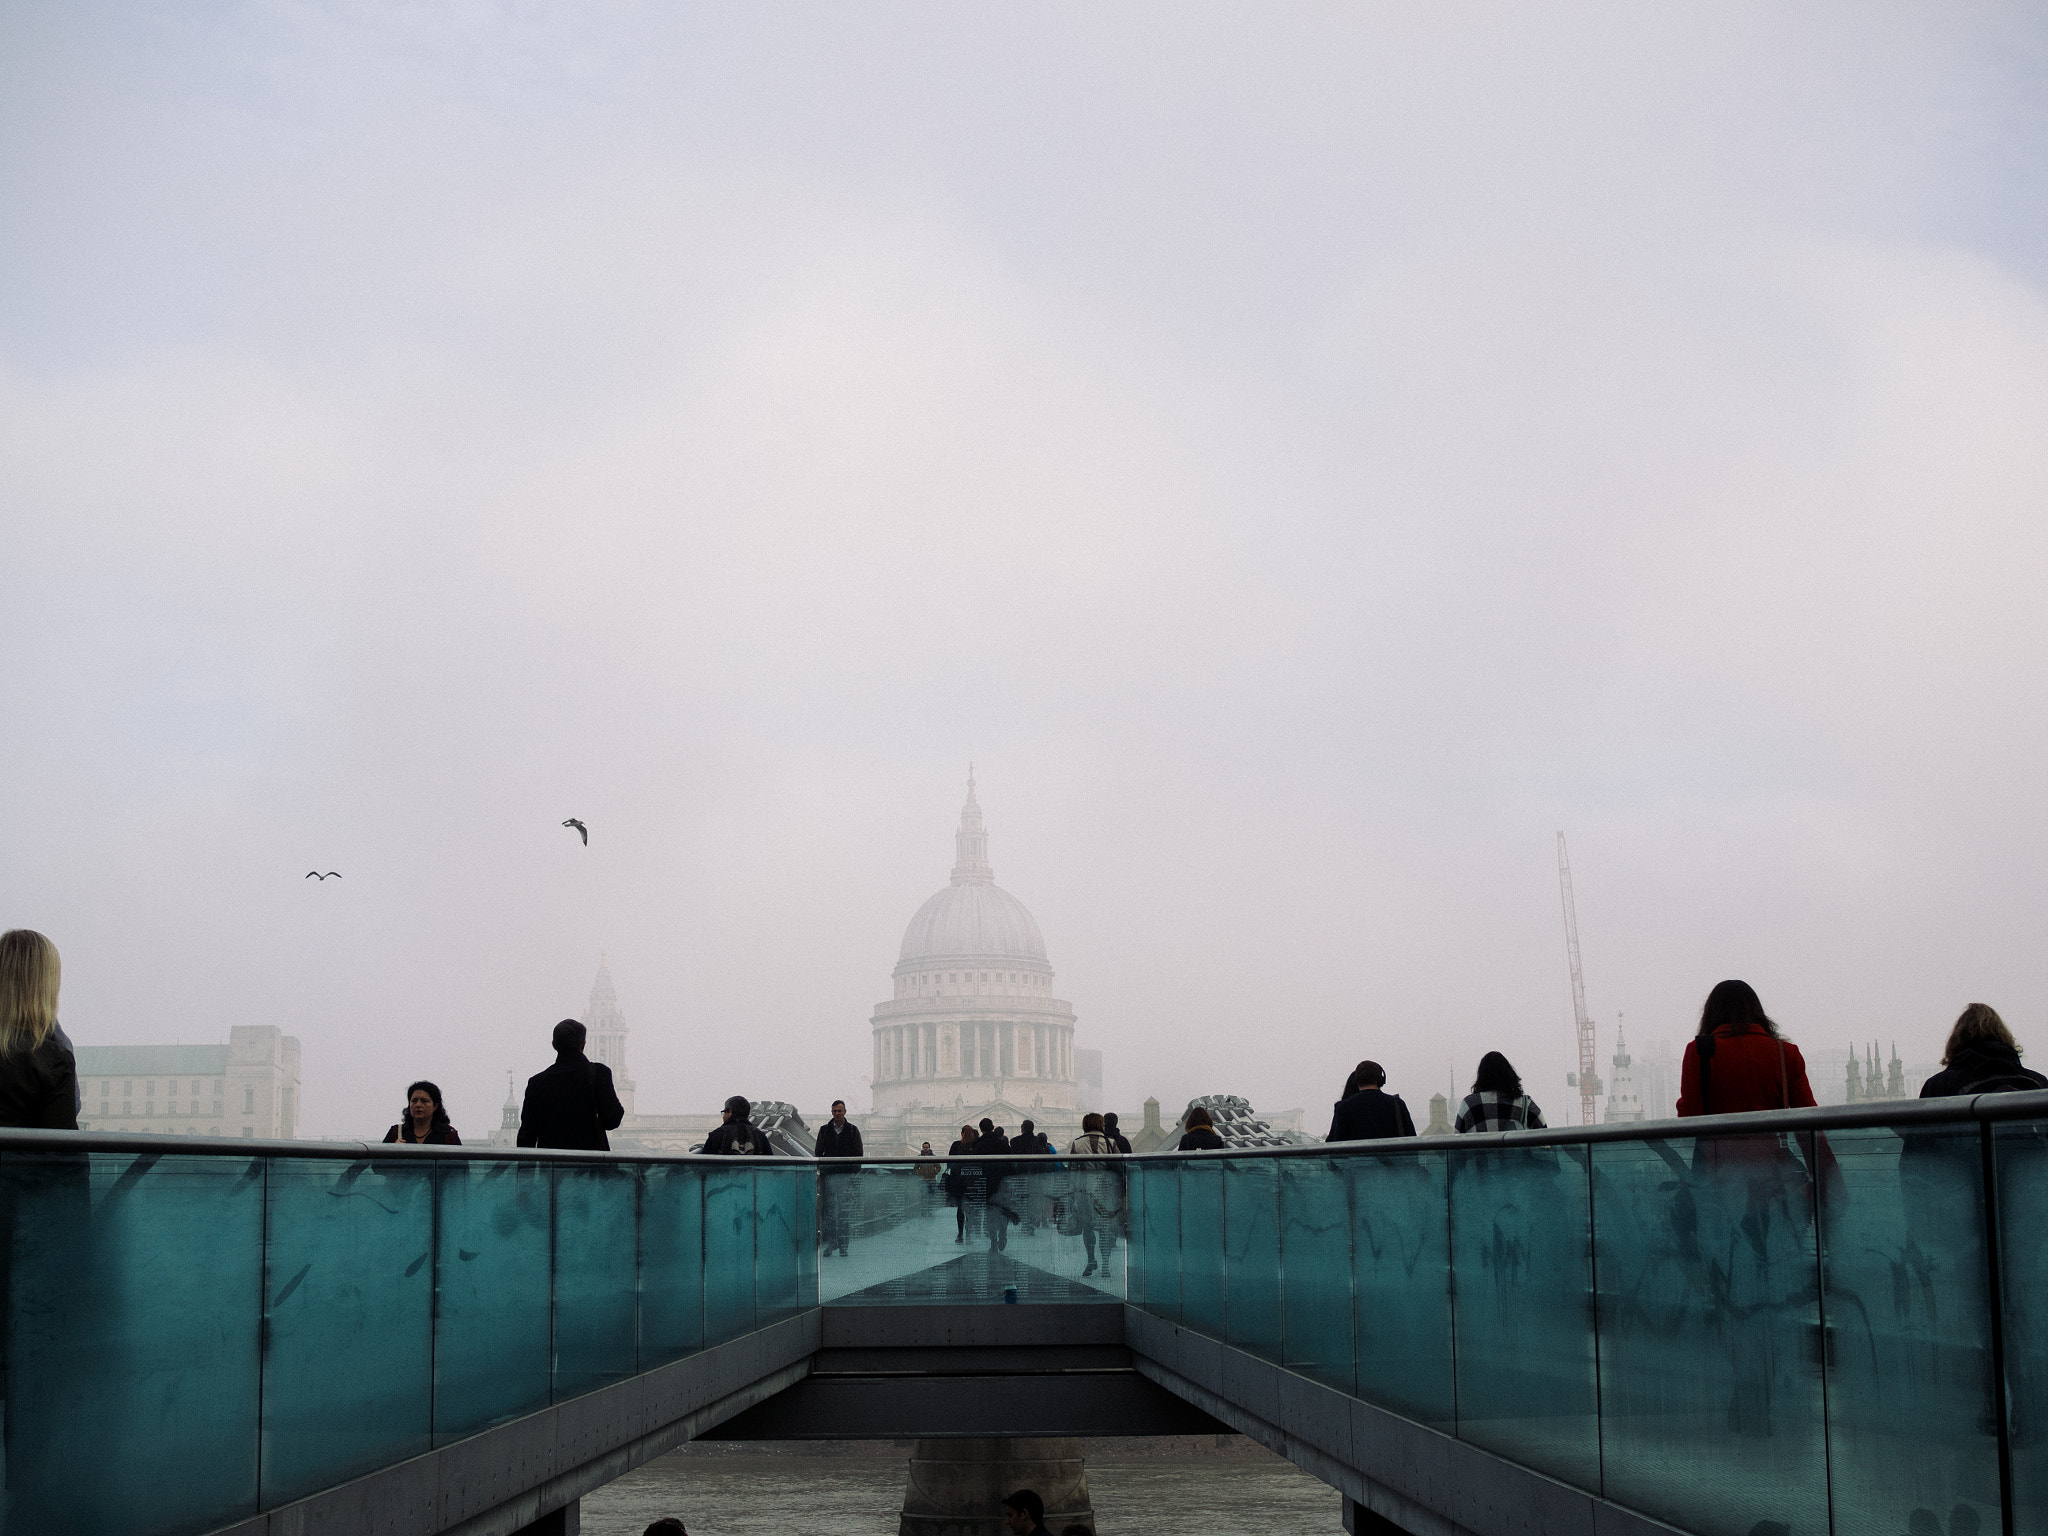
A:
(566, 1521)
(957, 1487)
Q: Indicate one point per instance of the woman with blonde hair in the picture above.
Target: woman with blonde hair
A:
(1981, 1057)
(38, 1073)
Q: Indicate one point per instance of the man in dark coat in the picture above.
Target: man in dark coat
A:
(1368, 1112)
(837, 1137)
(1123, 1142)
(572, 1104)
(995, 1218)
(737, 1136)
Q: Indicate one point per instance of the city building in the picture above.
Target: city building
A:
(248, 1087)
(1088, 1081)
(1623, 1102)
(973, 1027)
(607, 1031)
(1439, 1117)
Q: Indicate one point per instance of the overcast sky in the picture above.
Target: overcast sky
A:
(1304, 456)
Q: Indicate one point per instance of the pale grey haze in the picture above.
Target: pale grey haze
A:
(1305, 456)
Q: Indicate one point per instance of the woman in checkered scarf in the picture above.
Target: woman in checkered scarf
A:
(1496, 1102)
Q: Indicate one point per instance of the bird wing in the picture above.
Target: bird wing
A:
(312, 875)
(334, 872)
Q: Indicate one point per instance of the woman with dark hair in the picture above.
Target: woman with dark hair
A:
(1738, 1061)
(1200, 1135)
(425, 1120)
(1496, 1102)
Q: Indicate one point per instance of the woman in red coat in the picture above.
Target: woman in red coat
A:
(1738, 1061)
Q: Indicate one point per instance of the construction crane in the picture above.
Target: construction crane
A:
(1587, 1077)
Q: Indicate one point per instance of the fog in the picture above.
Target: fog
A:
(1304, 457)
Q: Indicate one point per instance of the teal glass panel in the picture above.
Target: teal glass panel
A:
(1709, 1314)
(671, 1262)
(2021, 1151)
(492, 1356)
(132, 1321)
(807, 1243)
(1134, 1226)
(1523, 1307)
(348, 1363)
(1163, 1269)
(775, 1243)
(1401, 1282)
(596, 1294)
(1251, 1248)
(1912, 1428)
(993, 1231)
(1315, 1246)
(728, 1254)
(1201, 1255)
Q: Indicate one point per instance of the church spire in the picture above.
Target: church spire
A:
(970, 866)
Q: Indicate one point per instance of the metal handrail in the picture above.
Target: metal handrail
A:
(1974, 1109)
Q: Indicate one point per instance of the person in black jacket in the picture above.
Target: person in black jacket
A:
(1981, 1057)
(573, 1103)
(38, 1072)
(957, 1180)
(988, 1179)
(1123, 1142)
(737, 1136)
(837, 1137)
(1200, 1135)
(1367, 1112)
(425, 1118)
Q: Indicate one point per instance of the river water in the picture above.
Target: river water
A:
(1247, 1492)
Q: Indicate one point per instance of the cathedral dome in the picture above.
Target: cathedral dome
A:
(973, 920)
(972, 917)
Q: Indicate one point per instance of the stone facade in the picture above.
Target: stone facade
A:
(248, 1087)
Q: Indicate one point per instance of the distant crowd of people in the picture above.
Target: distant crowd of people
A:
(1738, 1060)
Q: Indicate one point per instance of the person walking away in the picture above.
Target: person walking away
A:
(1094, 1202)
(1123, 1142)
(1496, 1102)
(1200, 1135)
(737, 1136)
(1753, 1194)
(1024, 1513)
(38, 1069)
(1981, 1057)
(573, 1103)
(424, 1120)
(995, 1219)
(838, 1137)
(955, 1182)
(1367, 1112)
(1029, 1197)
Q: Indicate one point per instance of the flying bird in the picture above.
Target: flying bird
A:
(581, 830)
(314, 874)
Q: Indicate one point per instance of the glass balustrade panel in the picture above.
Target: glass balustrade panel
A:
(1315, 1247)
(348, 1295)
(1521, 1257)
(1401, 1282)
(596, 1296)
(776, 1272)
(1022, 1230)
(1251, 1255)
(728, 1253)
(1201, 1256)
(1912, 1431)
(2020, 1149)
(1709, 1317)
(132, 1321)
(492, 1356)
(1160, 1179)
(671, 1262)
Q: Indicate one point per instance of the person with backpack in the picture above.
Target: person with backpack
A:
(1981, 1057)
(573, 1103)
(1738, 1061)
(738, 1136)
(1496, 1102)
(1367, 1112)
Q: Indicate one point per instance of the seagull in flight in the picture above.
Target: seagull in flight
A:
(581, 829)
(314, 874)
